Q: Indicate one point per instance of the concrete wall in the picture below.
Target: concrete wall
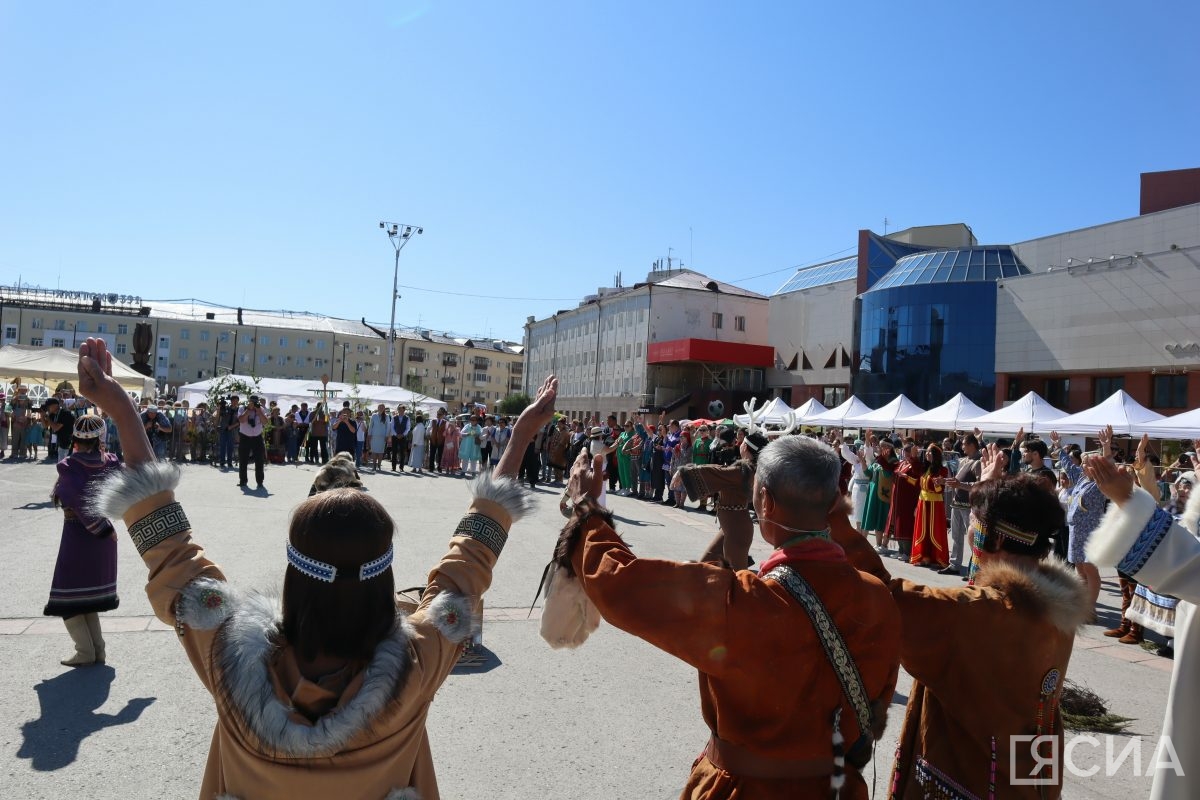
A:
(817, 322)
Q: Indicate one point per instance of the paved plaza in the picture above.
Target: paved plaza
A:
(614, 719)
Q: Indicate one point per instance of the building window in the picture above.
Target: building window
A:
(56, 342)
(1170, 391)
(60, 324)
(1014, 389)
(302, 343)
(183, 352)
(164, 343)
(718, 319)
(320, 344)
(37, 323)
(739, 323)
(264, 359)
(102, 327)
(1104, 388)
(204, 336)
(184, 333)
(283, 341)
(264, 340)
(122, 349)
(202, 355)
(122, 329)
(318, 362)
(10, 331)
(36, 342)
(1057, 391)
(81, 326)
(833, 396)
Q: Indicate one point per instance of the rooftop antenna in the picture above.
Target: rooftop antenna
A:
(669, 251)
(885, 226)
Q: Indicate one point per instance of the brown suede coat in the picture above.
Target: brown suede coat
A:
(765, 681)
(988, 662)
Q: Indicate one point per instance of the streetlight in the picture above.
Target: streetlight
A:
(398, 234)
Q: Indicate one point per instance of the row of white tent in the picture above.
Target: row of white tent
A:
(1031, 413)
(287, 391)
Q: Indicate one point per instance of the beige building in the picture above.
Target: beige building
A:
(194, 341)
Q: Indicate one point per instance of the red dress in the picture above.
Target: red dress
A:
(929, 529)
(905, 493)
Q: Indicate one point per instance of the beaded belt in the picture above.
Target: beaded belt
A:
(742, 507)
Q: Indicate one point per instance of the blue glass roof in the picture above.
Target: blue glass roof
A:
(822, 275)
(883, 253)
(954, 266)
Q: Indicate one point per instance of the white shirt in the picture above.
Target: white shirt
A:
(418, 434)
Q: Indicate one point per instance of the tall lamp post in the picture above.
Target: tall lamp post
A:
(398, 234)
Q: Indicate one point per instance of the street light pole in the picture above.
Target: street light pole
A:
(398, 234)
(344, 346)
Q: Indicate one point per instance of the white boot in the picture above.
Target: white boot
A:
(85, 651)
(93, 623)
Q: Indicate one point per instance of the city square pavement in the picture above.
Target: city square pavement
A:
(614, 719)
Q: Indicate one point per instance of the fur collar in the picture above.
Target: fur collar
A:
(242, 653)
(1049, 590)
(1191, 512)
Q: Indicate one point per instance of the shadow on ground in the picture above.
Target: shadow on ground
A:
(68, 703)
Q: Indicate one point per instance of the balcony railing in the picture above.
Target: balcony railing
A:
(449, 361)
(415, 356)
(449, 379)
(482, 363)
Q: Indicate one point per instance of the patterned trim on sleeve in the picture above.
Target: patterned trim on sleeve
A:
(692, 477)
(1147, 542)
(157, 526)
(483, 529)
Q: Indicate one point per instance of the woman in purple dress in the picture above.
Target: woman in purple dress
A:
(85, 577)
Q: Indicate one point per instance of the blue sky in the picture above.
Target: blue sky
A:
(244, 153)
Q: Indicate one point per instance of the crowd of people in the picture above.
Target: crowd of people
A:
(798, 660)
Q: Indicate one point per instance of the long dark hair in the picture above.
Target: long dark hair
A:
(935, 458)
(1023, 502)
(346, 618)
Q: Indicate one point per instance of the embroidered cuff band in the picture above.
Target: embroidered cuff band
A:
(483, 529)
(157, 526)
(319, 570)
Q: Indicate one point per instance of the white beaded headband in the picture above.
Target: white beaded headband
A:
(328, 573)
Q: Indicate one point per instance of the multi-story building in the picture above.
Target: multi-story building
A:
(677, 341)
(196, 340)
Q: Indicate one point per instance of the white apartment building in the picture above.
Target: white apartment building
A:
(676, 341)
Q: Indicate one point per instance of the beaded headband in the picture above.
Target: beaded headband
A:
(1012, 532)
(319, 570)
(88, 426)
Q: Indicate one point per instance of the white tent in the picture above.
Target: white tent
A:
(59, 364)
(810, 408)
(885, 417)
(1180, 426)
(1120, 410)
(954, 414)
(287, 392)
(1031, 412)
(836, 417)
(773, 413)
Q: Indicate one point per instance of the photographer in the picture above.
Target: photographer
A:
(158, 431)
(250, 441)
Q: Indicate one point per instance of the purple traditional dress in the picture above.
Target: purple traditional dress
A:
(85, 576)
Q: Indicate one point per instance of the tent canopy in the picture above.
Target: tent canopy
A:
(954, 414)
(1120, 410)
(810, 408)
(287, 392)
(885, 417)
(836, 417)
(1031, 412)
(59, 364)
(1180, 426)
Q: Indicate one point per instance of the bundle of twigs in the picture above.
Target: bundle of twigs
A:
(1084, 710)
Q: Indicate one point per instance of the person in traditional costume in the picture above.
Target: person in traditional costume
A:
(450, 462)
(906, 493)
(1085, 510)
(858, 459)
(468, 446)
(85, 575)
(731, 484)
(879, 494)
(929, 526)
(988, 661)
(332, 696)
(1147, 543)
(797, 665)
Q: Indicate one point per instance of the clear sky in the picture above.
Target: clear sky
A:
(244, 153)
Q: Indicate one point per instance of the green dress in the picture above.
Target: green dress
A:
(879, 497)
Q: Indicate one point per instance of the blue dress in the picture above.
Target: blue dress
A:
(468, 448)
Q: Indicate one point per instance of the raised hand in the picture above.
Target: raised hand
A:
(1139, 456)
(1106, 439)
(96, 382)
(541, 410)
(993, 462)
(1116, 484)
(1020, 435)
(587, 477)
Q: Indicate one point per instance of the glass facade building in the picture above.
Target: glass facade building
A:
(927, 328)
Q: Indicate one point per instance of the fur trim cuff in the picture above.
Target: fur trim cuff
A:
(503, 491)
(568, 616)
(1119, 529)
(455, 617)
(204, 604)
(125, 489)
(1191, 513)
(403, 794)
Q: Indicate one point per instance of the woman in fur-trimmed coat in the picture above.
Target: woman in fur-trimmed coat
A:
(332, 697)
(988, 661)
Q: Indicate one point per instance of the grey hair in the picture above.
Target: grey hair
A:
(799, 471)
